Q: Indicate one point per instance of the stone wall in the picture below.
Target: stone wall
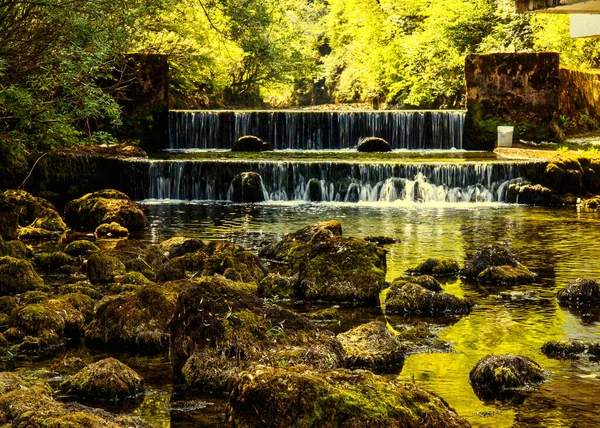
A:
(518, 89)
(579, 100)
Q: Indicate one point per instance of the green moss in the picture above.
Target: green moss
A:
(136, 278)
(83, 287)
(15, 249)
(111, 229)
(436, 267)
(505, 275)
(425, 281)
(53, 261)
(495, 373)
(17, 276)
(275, 285)
(103, 267)
(409, 298)
(489, 256)
(80, 248)
(179, 245)
(227, 255)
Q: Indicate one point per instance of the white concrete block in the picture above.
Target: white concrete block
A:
(585, 25)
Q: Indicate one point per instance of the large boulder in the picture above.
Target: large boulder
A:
(581, 292)
(105, 206)
(102, 267)
(300, 396)
(18, 276)
(25, 216)
(407, 298)
(374, 144)
(330, 267)
(179, 245)
(15, 249)
(491, 255)
(220, 327)
(106, 380)
(247, 187)
(564, 175)
(248, 143)
(372, 346)
(81, 247)
(135, 320)
(494, 374)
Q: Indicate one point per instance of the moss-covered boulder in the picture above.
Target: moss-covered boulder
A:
(372, 346)
(221, 327)
(15, 249)
(581, 292)
(491, 255)
(505, 275)
(179, 245)
(276, 285)
(105, 206)
(494, 374)
(7, 304)
(20, 211)
(413, 299)
(565, 175)
(374, 144)
(105, 380)
(330, 267)
(571, 349)
(247, 143)
(300, 396)
(227, 255)
(133, 277)
(138, 256)
(102, 267)
(425, 281)
(18, 276)
(33, 408)
(530, 194)
(81, 247)
(436, 267)
(52, 262)
(81, 287)
(247, 187)
(138, 320)
(113, 229)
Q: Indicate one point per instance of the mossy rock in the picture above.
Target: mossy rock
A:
(564, 175)
(247, 143)
(436, 267)
(494, 374)
(30, 233)
(227, 255)
(138, 256)
(138, 320)
(374, 144)
(300, 396)
(7, 304)
(102, 267)
(81, 247)
(33, 408)
(68, 365)
(15, 249)
(505, 275)
(112, 229)
(372, 346)
(276, 285)
(425, 281)
(218, 319)
(17, 276)
(106, 380)
(491, 255)
(412, 299)
(581, 292)
(571, 349)
(135, 278)
(592, 203)
(20, 210)
(247, 187)
(532, 195)
(82, 287)
(105, 206)
(51, 262)
(9, 382)
(179, 245)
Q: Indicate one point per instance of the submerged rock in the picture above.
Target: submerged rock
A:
(519, 296)
(488, 257)
(138, 320)
(372, 346)
(247, 187)
(374, 144)
(574, 348)
(496, 373)
(581, 292)
(105, 380)
(300, 396)
(505, 275)
(105, 206)
(436, 267)
(247, 143)
(18, 276)
(330, 267)
(221, 327)
(28, 217)
(410, 298)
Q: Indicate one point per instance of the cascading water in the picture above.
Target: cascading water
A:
(340, 182)
(308, 130)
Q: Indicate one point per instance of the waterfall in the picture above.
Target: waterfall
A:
(340, 181)
(310, 130)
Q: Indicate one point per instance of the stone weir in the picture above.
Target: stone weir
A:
(317, 130)
(341, 181)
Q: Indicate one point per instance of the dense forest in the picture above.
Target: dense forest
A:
(60, 60)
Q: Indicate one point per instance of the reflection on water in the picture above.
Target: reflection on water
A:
(558, 244)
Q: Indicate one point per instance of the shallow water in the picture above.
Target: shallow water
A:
(558, 244)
